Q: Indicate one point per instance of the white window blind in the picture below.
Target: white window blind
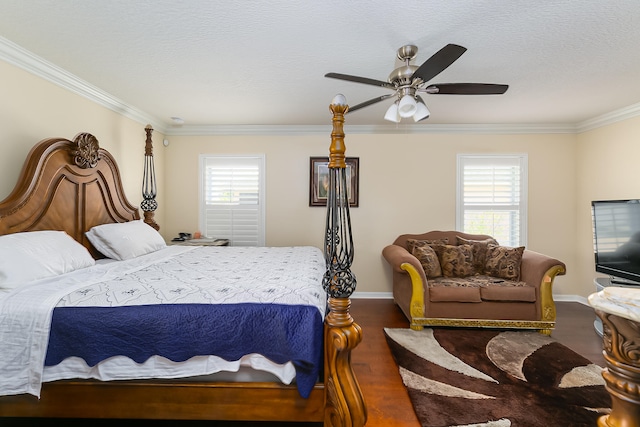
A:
(491, 197)
(232, 199)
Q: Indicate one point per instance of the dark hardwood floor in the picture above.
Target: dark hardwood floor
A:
(387, 400)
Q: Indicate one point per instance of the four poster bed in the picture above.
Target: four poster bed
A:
(70, 202)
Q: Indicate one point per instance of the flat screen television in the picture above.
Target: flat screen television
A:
(616, 239)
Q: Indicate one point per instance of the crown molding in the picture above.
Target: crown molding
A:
(20, 57)
(609, 118)
(193, 130)
(203, 130)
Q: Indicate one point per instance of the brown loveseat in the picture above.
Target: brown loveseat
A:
(477, 282)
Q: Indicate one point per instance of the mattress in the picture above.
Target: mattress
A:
(178, 276)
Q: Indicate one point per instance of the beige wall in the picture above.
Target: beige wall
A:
(407, 182)
(407, 185)
(607, 169)
(33, 109)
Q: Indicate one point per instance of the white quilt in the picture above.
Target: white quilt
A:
(177, 274)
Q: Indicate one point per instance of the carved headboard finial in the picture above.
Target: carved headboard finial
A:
(86, 152)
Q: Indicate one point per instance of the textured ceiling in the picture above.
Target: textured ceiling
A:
(263, 63)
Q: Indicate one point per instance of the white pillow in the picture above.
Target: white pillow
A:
(35, 255)
(125, 240)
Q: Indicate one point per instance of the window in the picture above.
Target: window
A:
(491, 197)
(232, 199)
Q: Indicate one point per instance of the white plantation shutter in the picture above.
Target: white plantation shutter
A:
(491, 197)
(232, 199)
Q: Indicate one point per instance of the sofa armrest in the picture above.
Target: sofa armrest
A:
(539, 270)
(397, 255)
(535, 268)
(409, 282)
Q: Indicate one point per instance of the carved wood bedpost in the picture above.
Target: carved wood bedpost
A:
(621, 343)
(345, 404)
(149, 204)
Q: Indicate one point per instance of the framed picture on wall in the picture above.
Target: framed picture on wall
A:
(319, 180)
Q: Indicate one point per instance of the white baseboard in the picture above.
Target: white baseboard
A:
(389, 295)
(571, 298)
(372, 295)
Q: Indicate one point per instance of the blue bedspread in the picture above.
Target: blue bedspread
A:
(180, 331)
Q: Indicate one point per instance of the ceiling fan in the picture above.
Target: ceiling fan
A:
(408, 81)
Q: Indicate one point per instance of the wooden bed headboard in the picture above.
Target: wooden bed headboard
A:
(69, 186)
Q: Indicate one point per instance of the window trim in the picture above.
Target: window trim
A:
(523, 160)
(261, 237)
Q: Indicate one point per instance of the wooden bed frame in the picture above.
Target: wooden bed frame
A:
(75, 185)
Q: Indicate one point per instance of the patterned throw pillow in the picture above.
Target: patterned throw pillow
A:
(480, 248)
(503, 262)
(456, 261)
(429, 260)
(412, 243)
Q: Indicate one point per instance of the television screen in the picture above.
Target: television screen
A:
(616, 238)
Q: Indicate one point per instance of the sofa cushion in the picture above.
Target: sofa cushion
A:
(480, 249)
(412, 243)
(508, 293)
(454, 294)
(455, 260)
(479, 288)
(477, 281)
(503, 262)
(429, 260)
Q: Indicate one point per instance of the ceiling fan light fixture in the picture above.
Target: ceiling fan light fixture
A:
(392, 113)
(408, 81)
(422, 112)
(407, 106)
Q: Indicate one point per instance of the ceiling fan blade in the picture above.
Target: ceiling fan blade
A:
(438, 62)
(357, 79)
(369, 102)
(467, 89)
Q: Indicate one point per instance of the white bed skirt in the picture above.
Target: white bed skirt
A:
(250, 368)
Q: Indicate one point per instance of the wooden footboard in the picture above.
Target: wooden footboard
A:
(179, 400)
(337, 401)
